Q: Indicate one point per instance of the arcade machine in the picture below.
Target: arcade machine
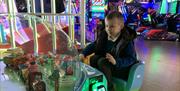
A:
(172, 6)
(178, 7)
(5, 27)
(95, 14)
(98, 9)
(47, 71)
(112, 5)
(21, 5)
(166, 28)
(172, 22)
(178, 27)
(3, 22)
(2, 35)
(121, 6)
(123, 9)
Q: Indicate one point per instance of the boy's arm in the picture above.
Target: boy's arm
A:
(130, 57)
(89, 49)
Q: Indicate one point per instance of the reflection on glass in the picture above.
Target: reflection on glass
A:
(43, 70)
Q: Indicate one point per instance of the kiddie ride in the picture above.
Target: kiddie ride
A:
(47, 71)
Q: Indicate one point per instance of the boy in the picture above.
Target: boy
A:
(113, 48)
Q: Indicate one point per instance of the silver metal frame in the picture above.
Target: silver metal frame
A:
(31, 11)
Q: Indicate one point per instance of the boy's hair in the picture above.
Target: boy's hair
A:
(114, 14)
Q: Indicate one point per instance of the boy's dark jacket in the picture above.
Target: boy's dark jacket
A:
(123, 49)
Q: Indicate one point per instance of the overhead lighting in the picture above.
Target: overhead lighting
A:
(129, 1)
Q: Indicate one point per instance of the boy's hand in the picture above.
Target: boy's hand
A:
(110, 58)
(81, 57)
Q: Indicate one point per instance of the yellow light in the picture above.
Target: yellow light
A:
(129, 1)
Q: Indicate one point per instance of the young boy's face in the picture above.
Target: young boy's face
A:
(113, 26)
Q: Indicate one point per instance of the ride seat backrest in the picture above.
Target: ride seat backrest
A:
(135, 78)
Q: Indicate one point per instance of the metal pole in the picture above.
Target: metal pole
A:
(15, 20)
(42, 8)
(53, 10)
(10, 11)
(29, 11)
(28, 6)
(34, 29)
(83, 23)
(70, 32)
(72, 26)
(73, 30)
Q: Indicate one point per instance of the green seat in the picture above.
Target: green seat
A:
(135, 79)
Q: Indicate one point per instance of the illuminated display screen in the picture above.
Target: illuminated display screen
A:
(171, 1)
(100, 15)
(97, 9)
(98, 6)
(172, 7)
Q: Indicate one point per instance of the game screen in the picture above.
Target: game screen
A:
(172, 7)
(98, 8)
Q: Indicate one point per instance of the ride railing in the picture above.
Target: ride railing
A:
(53, 17)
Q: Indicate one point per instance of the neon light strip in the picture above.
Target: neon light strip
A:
(1, 33)
(98, 8)
(144, 2)
(149, 18)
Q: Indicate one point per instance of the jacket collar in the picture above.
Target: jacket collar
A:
(109, 38)
(127, 34)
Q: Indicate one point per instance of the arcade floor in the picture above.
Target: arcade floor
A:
(162, 64)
